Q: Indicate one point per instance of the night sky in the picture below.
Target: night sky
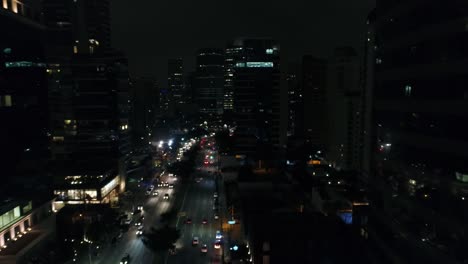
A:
(151, 31)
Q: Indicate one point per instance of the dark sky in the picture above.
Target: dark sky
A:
(151, 31)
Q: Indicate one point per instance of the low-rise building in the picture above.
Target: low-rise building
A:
(25, 228)
(79, 189)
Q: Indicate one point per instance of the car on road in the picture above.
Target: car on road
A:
(171, 186)
(140, 207)
(204, 221)
(216, 216)
(188, 221)
(195, 241)
(125, 259)
(155, 193)
(215, 195)
(166, 196)
(204, 249)
(217, 244)
(218, 235)
(139, 231)
(138, 223)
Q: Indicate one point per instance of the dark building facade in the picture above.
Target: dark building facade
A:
(91, 136)
(23, 95)
(256, 81)
(209, 81)
(145, 102)
(81, 26)
(295, 113)
(419, 98)
(314, 102)
(344, 110)
(174, 96)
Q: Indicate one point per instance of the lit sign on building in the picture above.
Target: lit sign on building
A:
(255, 64)
(21, 64)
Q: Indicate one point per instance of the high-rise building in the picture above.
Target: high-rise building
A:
(175, 95)
(256, 82)
(89, 102)
(314, 102)
(231, 54)
(91, 132)
(344, 110)
(79, 26)
(295, 113)
(419, 101)
(23, 96)
(145, 103)
(209, 81)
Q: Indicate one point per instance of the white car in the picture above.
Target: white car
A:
(195, 241)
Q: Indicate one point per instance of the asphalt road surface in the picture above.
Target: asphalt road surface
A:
(153, 207)
(198, 205)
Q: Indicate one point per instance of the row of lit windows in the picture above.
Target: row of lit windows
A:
(24, 64)
(9, 217)
(255, 64)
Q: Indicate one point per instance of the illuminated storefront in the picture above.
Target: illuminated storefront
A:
(99, 189)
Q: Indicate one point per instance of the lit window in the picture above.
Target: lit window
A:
(67, 121)
(75, 49)
(14, 7)
(58, 139)
(5, 4)
(7, 100)
(408, 89)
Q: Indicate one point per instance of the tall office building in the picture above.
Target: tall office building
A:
(344, 110)
(89, 102)
(91, 132)
(315, 100)
(209, 81)
(231, 55)
(23, 97)
(295, 112)
(175, 95)
(420, 98)
(256, 81)
(78, 26)
(145, 102)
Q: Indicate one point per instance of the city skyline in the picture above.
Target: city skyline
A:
(150, 36)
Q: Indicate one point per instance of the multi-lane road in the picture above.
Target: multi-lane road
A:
(198, 204)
